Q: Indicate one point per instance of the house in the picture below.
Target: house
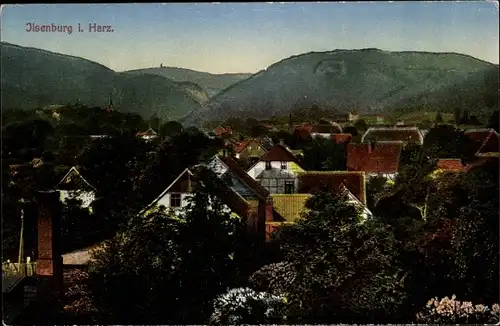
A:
(74, 186)
(484, 141)
(223, 131)
(249, 149)
(147, 135)
(176, 197)
(377, 159)
(404, 134)
(236, 178)
(276, 170)
(326, 130)
(288, 208)
(341, 138)
(349, 182)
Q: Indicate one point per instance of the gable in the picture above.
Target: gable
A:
(184, 184)
(404, 134)
(217, 166)
(278, 153)
(290, 206)
(73, 180)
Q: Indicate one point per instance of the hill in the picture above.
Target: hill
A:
(368, 80)
(34, 78)
(212, 83)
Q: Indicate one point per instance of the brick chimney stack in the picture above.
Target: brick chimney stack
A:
(269, 209)
(49, 261)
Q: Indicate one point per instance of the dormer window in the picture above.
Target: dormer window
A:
(283, 165)
(268, 165)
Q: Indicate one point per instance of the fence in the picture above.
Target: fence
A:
(13, 269)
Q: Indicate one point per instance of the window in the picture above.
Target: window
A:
(268, 165)
(175, 200)
(283, 165)
(289, 187)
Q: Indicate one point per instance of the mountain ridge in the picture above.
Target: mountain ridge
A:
(349, 76)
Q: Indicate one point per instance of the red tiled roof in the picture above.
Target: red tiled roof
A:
(279, 153)
(450, 165)
(304, 127)
(241, 146)
(257, 188)
(405, 134)
(354, 181)
(382, 158)
(341, 138)
(219, 131)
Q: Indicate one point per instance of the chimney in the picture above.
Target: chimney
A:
(282, 142)
(269, 209)
(49, 261)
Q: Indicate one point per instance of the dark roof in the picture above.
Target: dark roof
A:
(491, 144)
(74, 180)
(279, 153)
(405, 134)
(382, 157)
(327, 128)
(315, 181)
(256, 187)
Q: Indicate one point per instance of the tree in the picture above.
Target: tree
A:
(494, 121)
(457, 115)
(178, 262)
(475, 237)
(351, 130)
(439, 117)
(338, 270)
(446, 141)
(361, 125)
(324, 155)
(170, 129)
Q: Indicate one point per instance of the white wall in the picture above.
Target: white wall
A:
(324, 135)
(87, 197)
(165, 201)
(261, 166)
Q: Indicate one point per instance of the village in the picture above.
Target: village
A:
(266, 179)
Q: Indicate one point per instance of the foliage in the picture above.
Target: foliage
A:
(475, 237)
(164, 260)
(245, 306)
(451, 311)
(344, 269)
(439, 118)
(79, 306)
(494, 121)
(446, 141)
(351, 130)
(374, 188)
(322, 154)
(361, 125)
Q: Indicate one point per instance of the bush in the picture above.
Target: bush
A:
(451, 311)
(245, 306)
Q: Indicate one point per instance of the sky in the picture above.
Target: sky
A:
(248, 37)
